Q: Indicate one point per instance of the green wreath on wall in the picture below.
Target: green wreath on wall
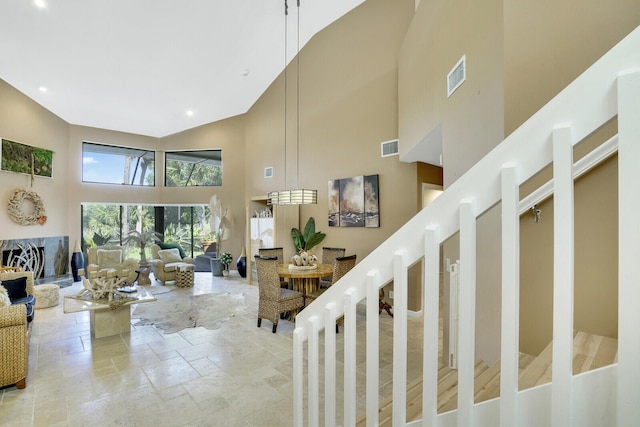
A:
(18, 215)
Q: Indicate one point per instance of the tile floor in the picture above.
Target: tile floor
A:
(237, 375)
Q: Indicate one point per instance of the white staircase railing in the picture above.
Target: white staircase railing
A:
(608, 396)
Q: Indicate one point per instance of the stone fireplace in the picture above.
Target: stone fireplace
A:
(47, 257)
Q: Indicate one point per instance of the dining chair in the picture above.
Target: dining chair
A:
(329, 256)
(341, 267)
(274, 299)
(279, 253)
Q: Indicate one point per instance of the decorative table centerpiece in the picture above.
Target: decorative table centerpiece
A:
(305, 260)
(304, 241)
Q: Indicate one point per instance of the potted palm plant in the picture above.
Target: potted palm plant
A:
(305, 241)
(142, 239)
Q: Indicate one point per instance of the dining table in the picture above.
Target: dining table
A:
(305, 280)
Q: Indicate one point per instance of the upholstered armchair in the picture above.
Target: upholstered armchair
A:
(103, 259)
(165, 262)
(14, 334)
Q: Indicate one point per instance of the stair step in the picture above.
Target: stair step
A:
(448, 401)
(607, 353)
(590, 352)
(487, 385)
(525, 360)
(536, 369)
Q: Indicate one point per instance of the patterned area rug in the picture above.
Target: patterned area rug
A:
(180, 309)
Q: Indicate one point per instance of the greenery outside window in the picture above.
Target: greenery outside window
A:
(198, 168)
(110, 164)
(110, 224)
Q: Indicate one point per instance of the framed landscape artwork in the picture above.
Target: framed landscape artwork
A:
(22, 158)
(354, 202)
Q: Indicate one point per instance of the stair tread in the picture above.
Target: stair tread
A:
(449, 400)
(536, 369)
(488, 383)
(607, 353)
(590, 352)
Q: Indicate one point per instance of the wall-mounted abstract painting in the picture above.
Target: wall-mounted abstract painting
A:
(354, 202)
(22, 158)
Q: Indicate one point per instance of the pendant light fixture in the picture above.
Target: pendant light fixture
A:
(297, 196)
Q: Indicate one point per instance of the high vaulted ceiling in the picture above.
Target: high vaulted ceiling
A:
(141, 66)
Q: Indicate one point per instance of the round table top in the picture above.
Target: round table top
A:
(323, 270)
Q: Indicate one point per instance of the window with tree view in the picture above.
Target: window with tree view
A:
(193, 168)
(111, 224)
(110, 164)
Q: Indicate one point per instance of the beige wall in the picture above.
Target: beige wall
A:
(227, 135)
(24, 121)
(472, 118)
(518, 57)
(348, 106)
(80, 192)
(596, 252)
(376, 74)
(548, 44)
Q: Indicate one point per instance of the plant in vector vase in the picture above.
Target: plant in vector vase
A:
(142, 239)
(304, 242)
(225, 260)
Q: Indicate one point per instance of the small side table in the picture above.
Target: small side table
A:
(184, 275)
(144, 279)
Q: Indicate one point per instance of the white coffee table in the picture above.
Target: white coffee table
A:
(105, 320)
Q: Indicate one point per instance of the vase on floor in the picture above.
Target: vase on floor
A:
(225, 272)
(216, 267)
(77, 262)
(241, 264)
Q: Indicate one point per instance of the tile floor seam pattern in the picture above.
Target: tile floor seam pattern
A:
(237, 375)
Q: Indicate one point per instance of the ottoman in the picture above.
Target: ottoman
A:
(47, 295)
(184, 275)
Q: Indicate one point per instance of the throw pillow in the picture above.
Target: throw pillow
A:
(4, 297)
(167, 245)
(169, 255)
(109, 258)
(16, 288)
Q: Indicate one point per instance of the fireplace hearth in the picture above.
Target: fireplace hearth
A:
(47, 257)
(29, 258)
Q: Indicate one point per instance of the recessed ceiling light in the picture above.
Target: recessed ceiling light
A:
(40, 3)
(189, 113)
(42, 88)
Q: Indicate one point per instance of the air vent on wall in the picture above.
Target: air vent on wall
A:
(456, 76)
(268, 172)
(389, 148)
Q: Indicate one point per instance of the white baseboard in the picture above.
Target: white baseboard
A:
(411, 313)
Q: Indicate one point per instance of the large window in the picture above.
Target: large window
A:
(117, 165)
(109, 224)
(193, 168)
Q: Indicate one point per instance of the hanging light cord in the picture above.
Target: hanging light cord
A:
(286, 13)
(298, 104)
